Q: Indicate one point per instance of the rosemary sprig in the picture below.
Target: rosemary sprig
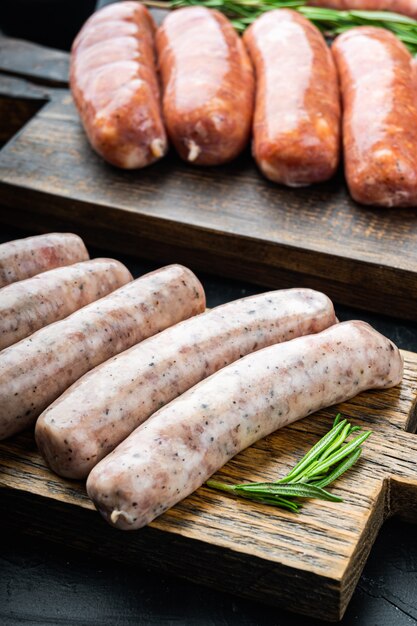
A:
(327, 460)
(330, 21)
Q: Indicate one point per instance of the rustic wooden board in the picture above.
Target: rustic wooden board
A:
(228, 220)
(19, 101)
(308, 563)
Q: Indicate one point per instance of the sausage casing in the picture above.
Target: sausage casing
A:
(115, 86)
(31, 304)
(184, 443)
(107, 404)
(296, 130)
(208, 85)
(380, 116)
(36, 370)
(24, 258)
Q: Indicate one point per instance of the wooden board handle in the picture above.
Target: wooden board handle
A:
(402, 498)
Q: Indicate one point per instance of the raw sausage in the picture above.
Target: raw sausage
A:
(115, 86)
(108, 403)
(405, 7)
(184, 443)
(35, 371)
(208, 85)
(30, 304)
(296, 126)
(380, 117)
(27, 257)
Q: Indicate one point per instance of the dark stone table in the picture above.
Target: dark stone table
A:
(41, 583)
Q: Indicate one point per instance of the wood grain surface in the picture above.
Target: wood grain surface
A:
(308, 563)
(228, 220)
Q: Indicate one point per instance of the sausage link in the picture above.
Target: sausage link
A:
(380, 117)
(31, 304)
(115, 86)
(24, 258)
(35, 371)
(208, 85)
(296, 126)
(405, 7)
(94, 415)
(184, 443)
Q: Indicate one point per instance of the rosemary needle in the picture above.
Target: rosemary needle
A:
(327, 460)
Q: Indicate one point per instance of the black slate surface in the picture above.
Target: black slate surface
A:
(41, 583)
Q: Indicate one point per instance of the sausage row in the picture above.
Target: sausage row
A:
(81, 427)
(173, 391)
(36, 370)
(28, 305)
(185, 442)
(208, 102)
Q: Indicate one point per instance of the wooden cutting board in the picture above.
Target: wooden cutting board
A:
(228, 220)
(308, 563)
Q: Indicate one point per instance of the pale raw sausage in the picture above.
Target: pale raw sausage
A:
(31, 304)
(104, 406)
(27, 257)
(36, 370)
(184, 443)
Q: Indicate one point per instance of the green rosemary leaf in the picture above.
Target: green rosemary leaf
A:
(337, 419)
(339, 470)
(383, 16)
(297, 490)
(272, 500)
(314, 452)
(336, 443)
(321, 466)
(340, 454)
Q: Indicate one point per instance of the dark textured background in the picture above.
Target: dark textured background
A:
(41, 583)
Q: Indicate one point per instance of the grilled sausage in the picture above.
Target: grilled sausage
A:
(184, 443)
(107, 404)
(115, 86)
(35, 371)
(405, 7)
(30, 304)
(296, 126)
(24, 258)
(380, 117)
(208, 85)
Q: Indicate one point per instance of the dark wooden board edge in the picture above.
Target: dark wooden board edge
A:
(20, 100)
(380, 513)
(39, 64)
(371, 287)
(233, 572)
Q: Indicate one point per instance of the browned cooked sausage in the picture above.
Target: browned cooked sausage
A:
(115, 87)
(208, 85)
(380, 117)
(27, 257)
(297, 112)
